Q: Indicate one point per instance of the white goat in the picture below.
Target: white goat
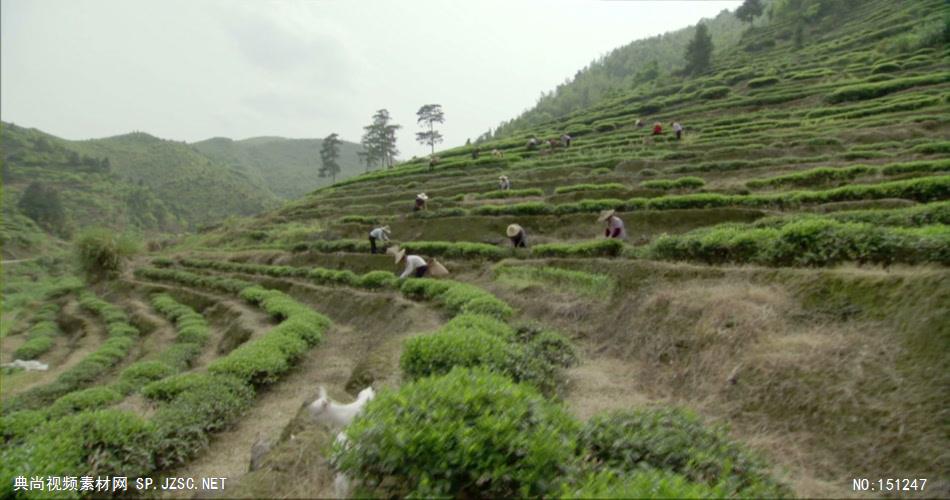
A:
(341, 482)
(31, 365)
(336, 415)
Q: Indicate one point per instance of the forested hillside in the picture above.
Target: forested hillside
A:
(287, 167)
(143, 183)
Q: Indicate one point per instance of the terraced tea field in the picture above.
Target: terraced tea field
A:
(785, 277)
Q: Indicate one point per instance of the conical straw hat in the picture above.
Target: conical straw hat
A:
(422, 196)
(513, 230)
(606, 215)
(399, 255)
(385, 229)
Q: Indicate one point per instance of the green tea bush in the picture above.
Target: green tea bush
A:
(589, 187)
(763, 81)
(676, 441)
(438, 353)
(140, 373)
(646, 483)
(86, 399)
(104, 442)
(587, 206)
(648, 172)
(806, 241)
(510, 193)
(596, 248)
(812, 73)
(932, 148)
(329, 246)
(456, 249)
(680, 183)
(715, 92)
(916, 166)
(121, 338)
(583, 283)
(40, 337)
(378, 279)
(360, 219)
(194, 405)
(525, 208)
(162, 262)
(468, 433)
(812, 177)
(480, 323)
(871, 90)
(920, 215)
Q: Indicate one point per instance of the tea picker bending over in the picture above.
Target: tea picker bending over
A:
(379, 233)
(517, 235)
(415, 265)
(421, 202)
(615, 227)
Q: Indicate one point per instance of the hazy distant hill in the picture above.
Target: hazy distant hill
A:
(287, 167)
(128, 181)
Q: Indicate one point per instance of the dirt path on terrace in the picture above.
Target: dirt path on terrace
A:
(162, 332)
(64, 355)
(330, 363)
(231, 321)
(230, 451)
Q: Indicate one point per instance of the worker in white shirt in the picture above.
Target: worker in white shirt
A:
(415, 266)
(378, 234)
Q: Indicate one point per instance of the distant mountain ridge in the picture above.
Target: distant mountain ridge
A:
(287, 167)
(146, 183)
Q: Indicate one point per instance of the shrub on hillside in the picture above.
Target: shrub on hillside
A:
(675, 440)
(468, 433)
(763, 82)
(806, 241)
(526, 208)
(932, 148)
(105, 442)
(101, 252)
(596, 248)
(510, 193)
(812, 177)
(438, 353)
(680, 183)
(589, 187)
(715, 92)
(86, 399)
(455, 249)
(871, 90)
(195, 404)
(457, 297)
(587, 206)
(646, 483)
(916, 166)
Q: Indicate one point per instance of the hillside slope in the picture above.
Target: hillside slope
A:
(287, 167)
(785, 274)
(804, 161)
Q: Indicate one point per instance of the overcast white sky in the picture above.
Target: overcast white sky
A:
(194, 69)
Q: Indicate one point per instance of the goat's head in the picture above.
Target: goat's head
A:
(366, 394)
(320, 404)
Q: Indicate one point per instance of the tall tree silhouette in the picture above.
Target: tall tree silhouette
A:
(429, 115)
(699, 51)
(329, 152)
